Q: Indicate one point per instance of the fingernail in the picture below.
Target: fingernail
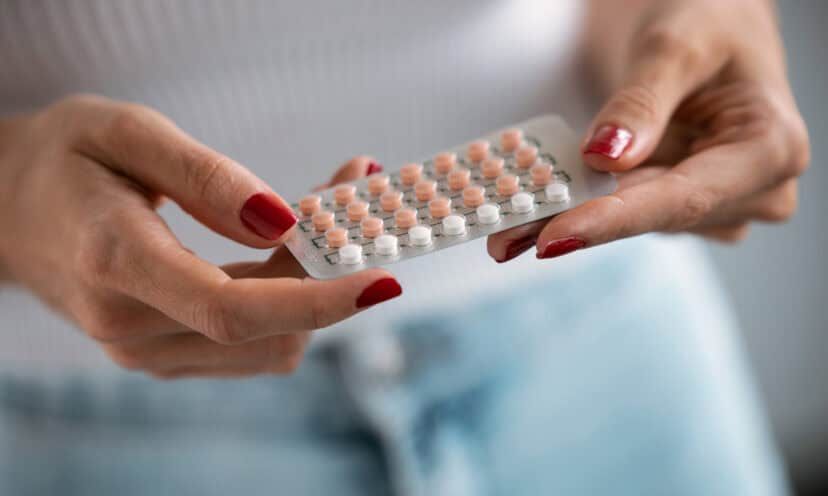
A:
(561, 247)
(265, 215)
(379, 291)
(373, 168)
(609, 141)
(518, 247)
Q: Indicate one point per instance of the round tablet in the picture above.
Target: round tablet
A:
(425, 190)
(507, 185)
(557, 192)
(371, 227)
(377, 183)
(488, 214)
(492, 167)
(510, 139)
(541, 174)
(410, 173)
(357, 210)
(420, 235)
(405, 218)
(386, 244)
(350, 254)
(310, 204)
(474, 196)
(336, 237)
(391, 200)
(478, 150)
(344, 193)
(444, 162)
(523, 202)
(454, 225)
(526, 156)
(458, 179)
(322, 220)
(439, 207)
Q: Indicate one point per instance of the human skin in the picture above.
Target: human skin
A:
(80, 181)
(699, 125)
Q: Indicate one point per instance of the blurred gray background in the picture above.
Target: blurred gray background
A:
(778, 279)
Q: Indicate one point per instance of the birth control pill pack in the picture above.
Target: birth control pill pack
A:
(513, 176)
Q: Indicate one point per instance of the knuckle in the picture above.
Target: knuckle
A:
(781, 207)
(801, 149)
(662, 42)
(638, 100)
(203, 176)
(321, 312)
(221, 323)
(102, 252)
(695, 205)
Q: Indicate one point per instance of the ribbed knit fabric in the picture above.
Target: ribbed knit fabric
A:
(291, 90)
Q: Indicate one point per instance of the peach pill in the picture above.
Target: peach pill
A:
(444, 162)
(410, 173)
(474, 196)
(391, 200)
(526, 156)
(439, 207)
(310, 204)
(492, 167)
(511, 139)
(357, 210)
(377, 184)
(458, 179)
(322, 220)
(344, 193)
(478, 150)
(371, 227)
(541, 174)
(425, 190)
(405, 218)
(336, 237)
(507, 185)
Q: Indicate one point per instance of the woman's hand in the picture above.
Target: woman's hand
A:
(79, 184)
(701, 127)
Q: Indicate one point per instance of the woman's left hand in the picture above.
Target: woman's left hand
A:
(701, 128)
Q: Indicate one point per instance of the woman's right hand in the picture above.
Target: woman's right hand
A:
(79, 184)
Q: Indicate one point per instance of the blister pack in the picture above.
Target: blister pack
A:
(530, 171)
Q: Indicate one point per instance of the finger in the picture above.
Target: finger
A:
(191, 350)
(667, 67)
(147, 147)
(355, 168)
(142, 259)
(677, 200)
(509, 244)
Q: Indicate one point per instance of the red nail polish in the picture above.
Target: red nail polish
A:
(609, 141)
(561, 247)
(373, 168)
(379, 291)
(265, 215)
(518, 247)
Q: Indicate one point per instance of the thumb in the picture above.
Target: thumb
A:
(632, 122)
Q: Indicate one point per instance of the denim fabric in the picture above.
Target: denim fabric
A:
(628, 380)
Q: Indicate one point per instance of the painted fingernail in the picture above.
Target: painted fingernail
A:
(561, 247)
(265, 215)
(379, 291)
(518, 247)
(609, 141)
(373, 168)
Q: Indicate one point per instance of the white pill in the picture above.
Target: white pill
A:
(488, 214)
(454, 225)
(386, 244)
(420, 235)
(350, 254)
(557, 192)
(523, 202)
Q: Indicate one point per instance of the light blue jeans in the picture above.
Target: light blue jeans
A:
(630, 381)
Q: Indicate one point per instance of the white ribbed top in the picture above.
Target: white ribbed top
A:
(291, 90)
